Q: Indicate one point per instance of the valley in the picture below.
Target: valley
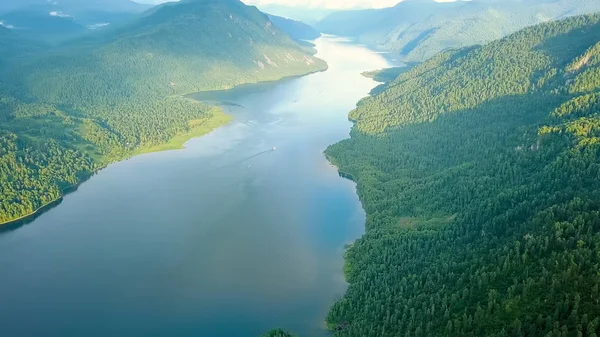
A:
(300, 168)
(183, 243)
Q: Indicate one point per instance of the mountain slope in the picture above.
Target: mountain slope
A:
(479, 172)
(418, 30)
(41, 24)
(73, 109)
(295, 29)
(304, 14)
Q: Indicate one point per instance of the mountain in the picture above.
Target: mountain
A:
(56, 21)
(418, 30)
(307, 15)
(43, 25)
(13, 44)
(479, 173)
(67, 111)
(295, 29)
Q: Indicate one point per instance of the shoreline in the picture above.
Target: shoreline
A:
(171, 145)
(346, 266)
(168, 146)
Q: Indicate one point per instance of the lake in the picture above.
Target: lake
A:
(227, 237)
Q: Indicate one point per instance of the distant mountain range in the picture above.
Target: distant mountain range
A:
(58, 21)
(74, 6)
(418, 30)
(64, 19)
(309, 16)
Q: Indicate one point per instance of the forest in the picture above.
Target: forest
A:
(68, 110)
(479, 171)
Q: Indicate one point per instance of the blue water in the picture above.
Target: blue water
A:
(224, 238)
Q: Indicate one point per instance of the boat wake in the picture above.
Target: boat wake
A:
(240, 161)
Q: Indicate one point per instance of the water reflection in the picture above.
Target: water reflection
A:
(224, 238)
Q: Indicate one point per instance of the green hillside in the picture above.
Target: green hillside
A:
(418, 30)
(70, 110)
(479, 171)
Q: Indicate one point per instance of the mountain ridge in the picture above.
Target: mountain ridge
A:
(419, 30)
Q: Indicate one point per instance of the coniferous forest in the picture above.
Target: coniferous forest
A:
(479, 171)
(68, 110)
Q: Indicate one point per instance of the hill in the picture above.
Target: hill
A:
(478, 171)
(69, 110)
(295, 29)
(418, 30)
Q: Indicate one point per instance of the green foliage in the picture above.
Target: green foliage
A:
(479, 172)
(418, 30)
(68, 111)
(278, 333)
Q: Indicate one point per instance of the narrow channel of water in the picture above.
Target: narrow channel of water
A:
(224, 238)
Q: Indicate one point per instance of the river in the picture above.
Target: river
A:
(227, 237)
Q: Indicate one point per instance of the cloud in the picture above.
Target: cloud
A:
(98, 25)
(59, 14)
(5, 25)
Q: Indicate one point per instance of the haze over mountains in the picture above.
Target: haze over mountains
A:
(60, 20)
(75, 6)
(417, 30)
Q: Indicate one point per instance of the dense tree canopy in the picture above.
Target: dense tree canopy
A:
(277, 333)
(479, 172)
(69, 110)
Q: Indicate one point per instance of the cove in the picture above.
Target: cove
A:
(226, 237)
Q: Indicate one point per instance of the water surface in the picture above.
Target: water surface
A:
(224, 238)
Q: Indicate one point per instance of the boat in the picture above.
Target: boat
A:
(274, 148)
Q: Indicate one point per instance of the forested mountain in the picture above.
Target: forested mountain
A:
(295, 29)
(479, 171)
(70, 110)
(418, 30)
(43, 25)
